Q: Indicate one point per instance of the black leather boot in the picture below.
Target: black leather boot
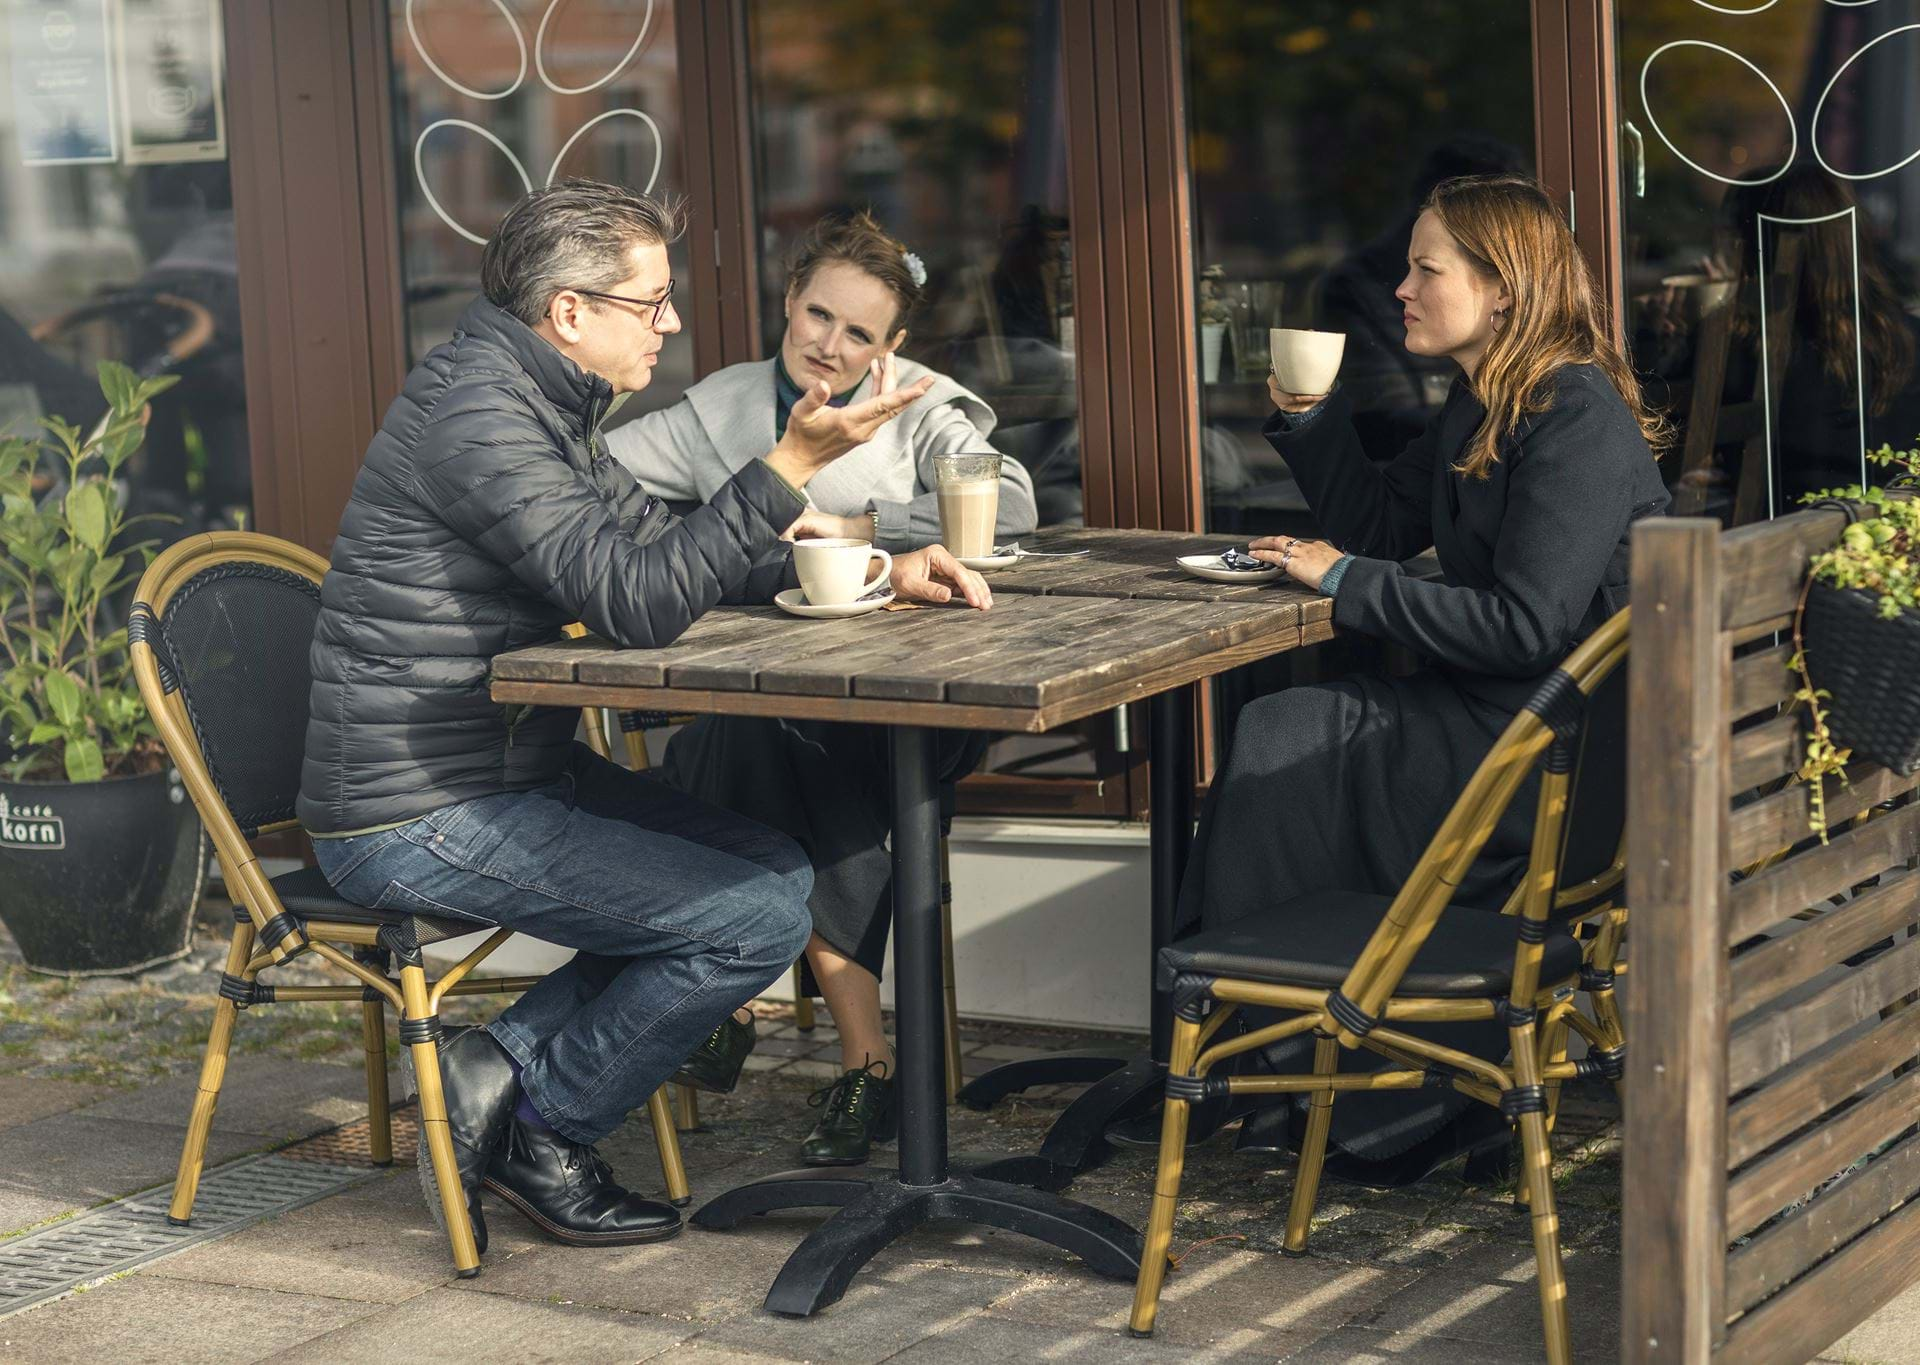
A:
(715, 1064)
(476, 1075)
(570, 1194)
(859, 1113)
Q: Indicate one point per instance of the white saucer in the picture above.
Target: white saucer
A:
(794, 601)
(1209, 567)
(980, 563)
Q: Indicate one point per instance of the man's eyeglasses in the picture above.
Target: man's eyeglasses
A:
(657, 305)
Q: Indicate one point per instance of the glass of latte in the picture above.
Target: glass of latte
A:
(968, 486)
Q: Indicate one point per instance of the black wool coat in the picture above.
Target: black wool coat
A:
(1341, 785)
(1533, 558)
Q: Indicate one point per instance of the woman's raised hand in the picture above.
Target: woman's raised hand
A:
(1290, 402)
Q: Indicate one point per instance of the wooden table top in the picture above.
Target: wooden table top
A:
(1031, 663)
(1141, 564)
(1065, 639)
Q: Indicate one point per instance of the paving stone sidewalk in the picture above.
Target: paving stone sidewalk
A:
(96, 1077)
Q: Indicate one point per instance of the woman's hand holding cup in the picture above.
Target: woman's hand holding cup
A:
(1291, 402)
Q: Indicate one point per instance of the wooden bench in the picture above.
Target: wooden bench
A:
(1768, 1193)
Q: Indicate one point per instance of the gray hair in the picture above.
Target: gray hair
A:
(578, 234)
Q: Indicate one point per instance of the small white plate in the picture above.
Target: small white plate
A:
(981, 563)
(1209, 567)
(794, 601)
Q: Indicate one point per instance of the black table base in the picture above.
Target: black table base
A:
(1124, 1087)
(877, 1207)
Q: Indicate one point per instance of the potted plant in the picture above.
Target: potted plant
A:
(1857, 635)
(100, 852)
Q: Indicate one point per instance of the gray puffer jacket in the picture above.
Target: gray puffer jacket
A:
(487, 516)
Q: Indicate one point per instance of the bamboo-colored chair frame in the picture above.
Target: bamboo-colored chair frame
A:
(415, 996)
(1539, 1014)
(686, 1098)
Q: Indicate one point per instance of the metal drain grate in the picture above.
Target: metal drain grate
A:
(130, 1232)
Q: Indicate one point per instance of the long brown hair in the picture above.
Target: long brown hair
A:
(1510, 231)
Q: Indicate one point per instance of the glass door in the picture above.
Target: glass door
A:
(1771, 239)
(1316, 128)
(491, 100)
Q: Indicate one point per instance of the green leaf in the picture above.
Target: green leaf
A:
(84, 763)
(63, 695)
(87, 511)
(44, 731)
(118, 383)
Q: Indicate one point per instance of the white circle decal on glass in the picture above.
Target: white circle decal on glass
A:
(539, 54)
(1813, 130)
(1728, 9)
(567, 146)
(519, 38)
(1793, 129)
(420, 170)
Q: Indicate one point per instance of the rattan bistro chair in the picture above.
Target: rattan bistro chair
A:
(219, 636)
(1364, 964)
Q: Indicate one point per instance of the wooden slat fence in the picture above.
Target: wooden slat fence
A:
(1771, 1155)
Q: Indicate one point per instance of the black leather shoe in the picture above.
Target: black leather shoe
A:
(570, 1194)
(859, 1113)
(476, 1076)
(715, 1064)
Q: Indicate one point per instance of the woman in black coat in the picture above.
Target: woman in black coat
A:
(1525, 484)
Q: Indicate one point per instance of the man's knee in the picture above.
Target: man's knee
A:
(766, 917)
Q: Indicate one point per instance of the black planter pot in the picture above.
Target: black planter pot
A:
(99, 877)
(1871, 665)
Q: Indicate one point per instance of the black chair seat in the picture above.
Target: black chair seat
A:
(306, 896)
(1315, 940)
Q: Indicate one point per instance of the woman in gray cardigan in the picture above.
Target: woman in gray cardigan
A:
(851, 289)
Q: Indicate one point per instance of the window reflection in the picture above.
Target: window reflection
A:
(117, 225)
(944, 118)
(491, 100)
(1317, 128)
(1772, 243)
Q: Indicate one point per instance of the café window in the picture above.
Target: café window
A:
(117, 241)
(945, 119)
(1771, 229)
(1316, 127)
(491, 100)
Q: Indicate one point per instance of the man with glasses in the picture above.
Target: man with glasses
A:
(486, 517)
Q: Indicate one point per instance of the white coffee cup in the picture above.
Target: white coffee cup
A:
(1306, 363)
(834, 572)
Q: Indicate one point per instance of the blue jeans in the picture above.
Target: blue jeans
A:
(679, 912)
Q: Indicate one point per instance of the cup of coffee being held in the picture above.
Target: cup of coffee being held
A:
(1306, 363)
(834, 572)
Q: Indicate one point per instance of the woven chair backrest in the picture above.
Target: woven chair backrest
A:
(234, 639)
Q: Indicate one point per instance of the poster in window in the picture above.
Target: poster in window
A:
(171, 65)
(62, 87)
